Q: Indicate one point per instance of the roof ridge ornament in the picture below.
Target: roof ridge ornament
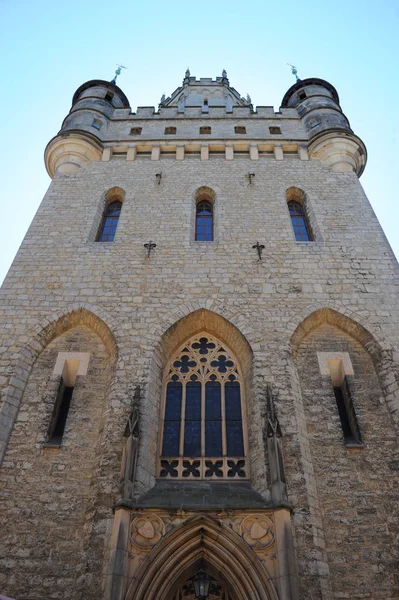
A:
(294, 71)
(224, 77)
(187, 76)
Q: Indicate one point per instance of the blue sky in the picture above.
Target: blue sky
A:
(48, 49)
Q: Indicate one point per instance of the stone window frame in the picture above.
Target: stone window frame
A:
(97, 124)
(203, 463)
(296, 194)
(113, 194)
(204, 193)
(338, 367)
(68, 367)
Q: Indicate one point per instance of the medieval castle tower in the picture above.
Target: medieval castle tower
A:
(200, 358)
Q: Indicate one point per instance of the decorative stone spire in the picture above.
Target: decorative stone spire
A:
(249, 101)
(224, 77)
(187, 77)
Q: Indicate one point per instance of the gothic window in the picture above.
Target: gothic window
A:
(202, 429)
(204, 221)
(110, 222)
(299, 222)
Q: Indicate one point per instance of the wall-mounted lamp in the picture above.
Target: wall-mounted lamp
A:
(158, 177)
(202, 583)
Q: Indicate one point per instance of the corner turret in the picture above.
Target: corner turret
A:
(80, 139)
(331, 138)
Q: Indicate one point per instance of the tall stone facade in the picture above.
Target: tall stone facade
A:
(205, 254)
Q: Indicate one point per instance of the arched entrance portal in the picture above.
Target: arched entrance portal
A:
(176, 559)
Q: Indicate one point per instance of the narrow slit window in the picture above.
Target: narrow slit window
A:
(299, 221)
(108, 97)
(347, 415)
(204, 222)
(110, 222)
(302, 95)
(96, 123)
(60, 414)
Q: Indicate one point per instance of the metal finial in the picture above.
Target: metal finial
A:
(294, 71)
(117, 72)
(250, 178)
(150, 246)
(259, 248)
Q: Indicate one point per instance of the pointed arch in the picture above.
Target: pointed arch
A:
(179, 553)
(175, 334)
(330, 316)
(42, 336)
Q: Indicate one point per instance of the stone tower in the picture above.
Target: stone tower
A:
(199, 383)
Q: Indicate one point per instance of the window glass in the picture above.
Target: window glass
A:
(299, 222)
(204, 222)
(110, 222)
(203, 404)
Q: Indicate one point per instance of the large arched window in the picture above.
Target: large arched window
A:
(202, 435)
(299, 221)
(110, 222)
(204, 221)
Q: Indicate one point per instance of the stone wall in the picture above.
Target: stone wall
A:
(59, 270)
(51, 524)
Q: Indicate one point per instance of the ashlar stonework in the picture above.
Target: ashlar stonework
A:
(244, 234)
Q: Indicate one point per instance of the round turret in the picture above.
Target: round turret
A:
(80, 139)
(331, 137)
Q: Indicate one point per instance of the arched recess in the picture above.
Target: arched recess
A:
(343, 474)
(333, 317)
(28, 355)
(178, 556)
(198, 321)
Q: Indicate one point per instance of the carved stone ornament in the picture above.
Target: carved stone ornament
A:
(146, 530)
(257, 531)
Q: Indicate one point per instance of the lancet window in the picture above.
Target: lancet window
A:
(110, 222)
(203, 433)
(299, 222)
(204, 222)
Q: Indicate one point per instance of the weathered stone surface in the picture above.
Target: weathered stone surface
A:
(65, 292)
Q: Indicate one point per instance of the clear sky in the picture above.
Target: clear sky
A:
(48, 49)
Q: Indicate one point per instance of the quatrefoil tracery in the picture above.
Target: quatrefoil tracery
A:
(203, 358)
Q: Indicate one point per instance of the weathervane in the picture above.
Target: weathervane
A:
(117, 72)
(294, 71)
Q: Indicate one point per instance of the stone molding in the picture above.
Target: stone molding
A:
(67, 152)
(340, 151)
